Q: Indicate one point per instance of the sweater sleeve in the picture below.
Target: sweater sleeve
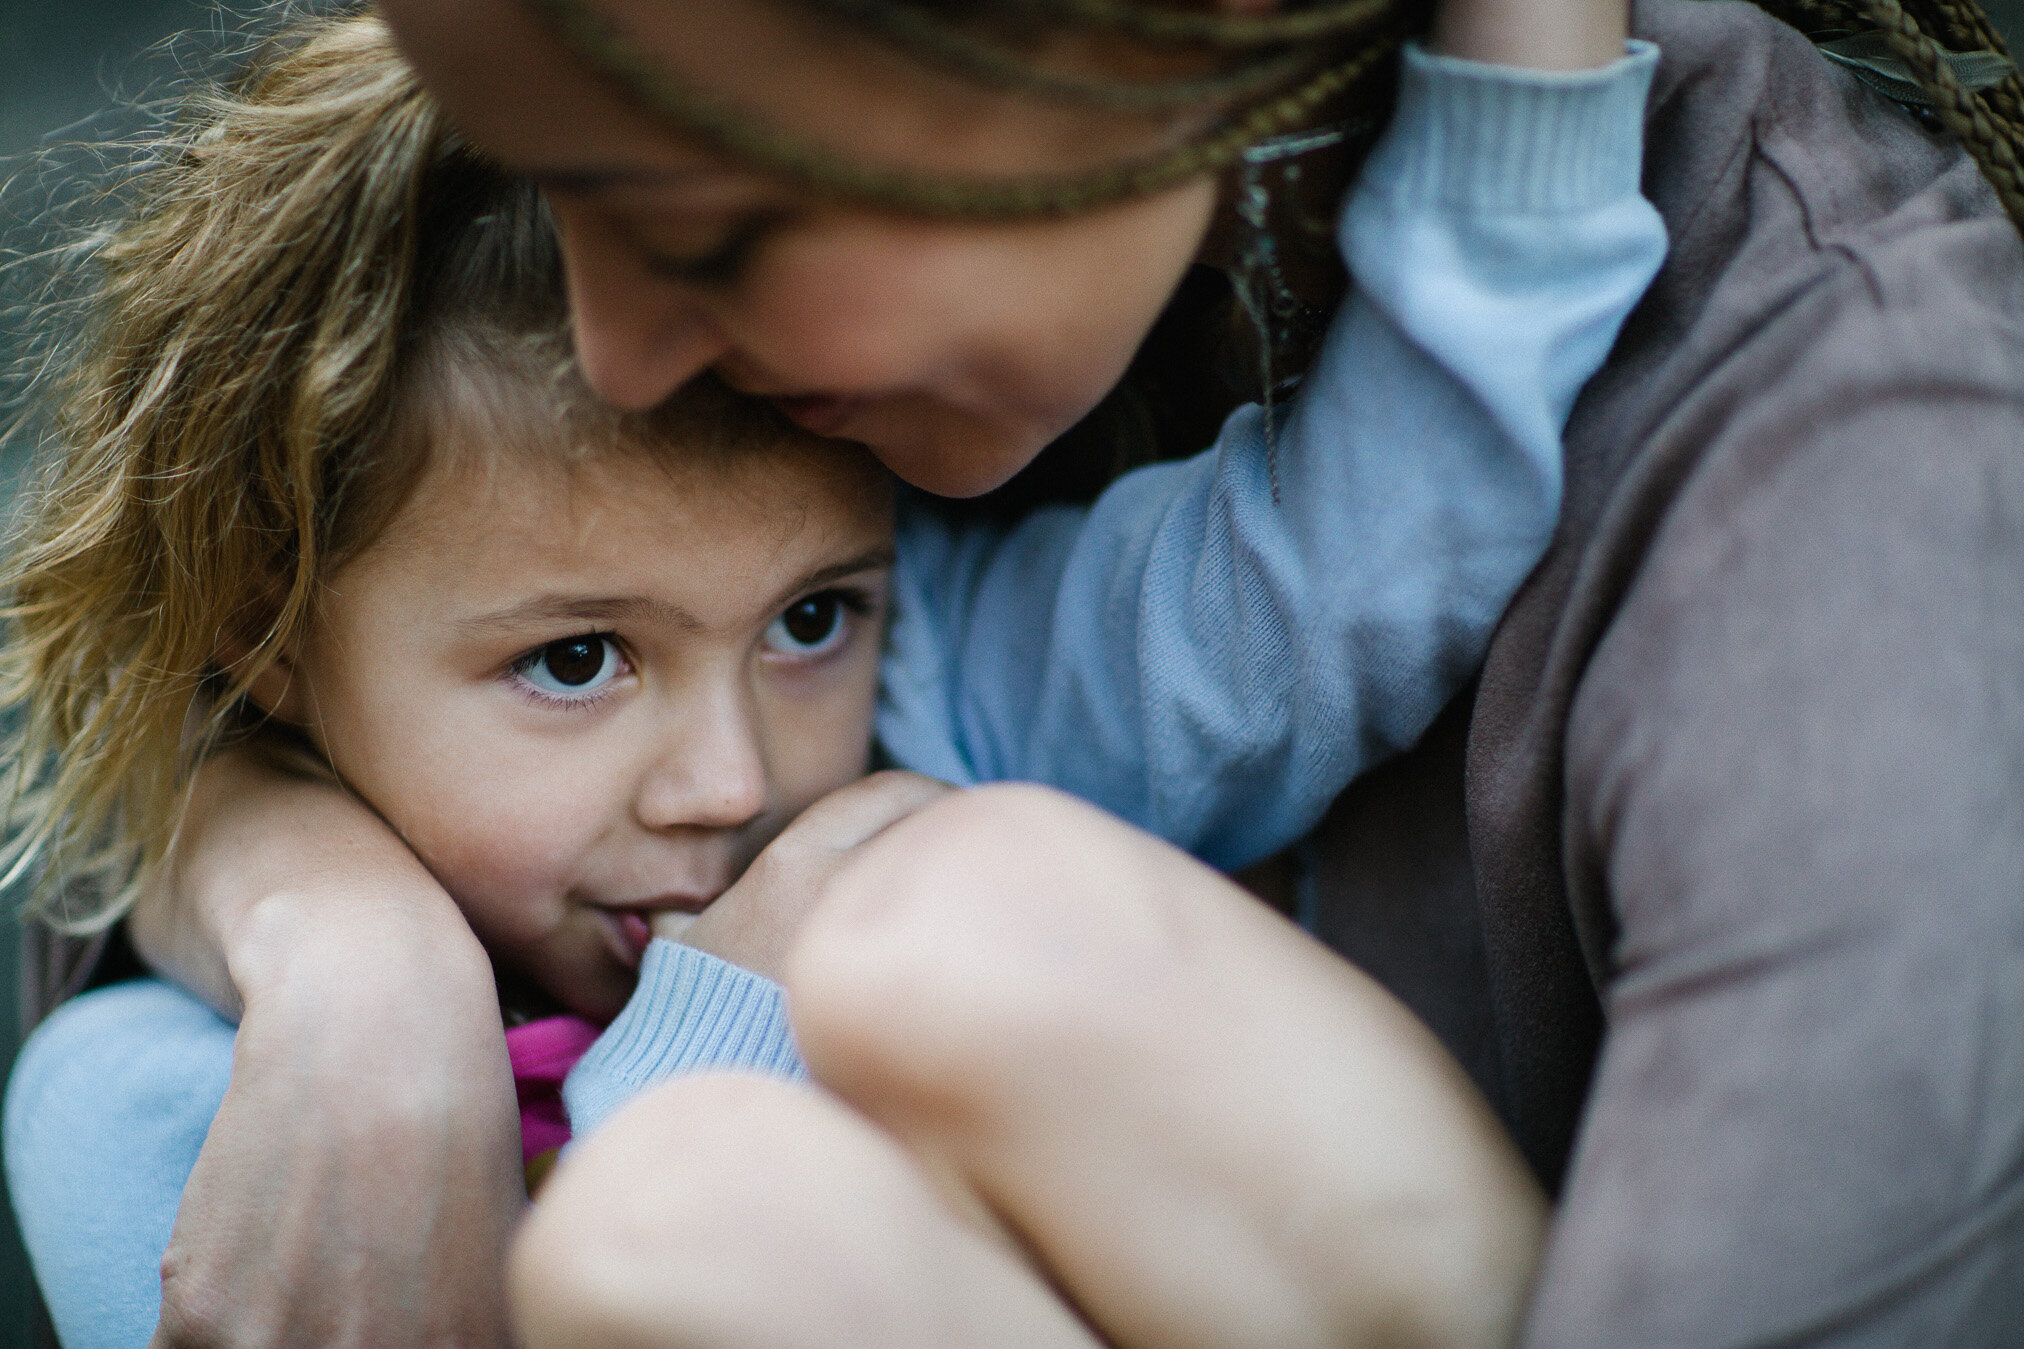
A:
(691, 1013)
(1217, 646)
(107, 1108)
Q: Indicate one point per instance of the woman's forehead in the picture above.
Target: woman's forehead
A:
(520, 94)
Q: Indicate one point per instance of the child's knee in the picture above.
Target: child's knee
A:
(621, 1228)
(725, 1210)
(1004, 925)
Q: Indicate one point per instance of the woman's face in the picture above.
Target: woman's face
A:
(956, 351)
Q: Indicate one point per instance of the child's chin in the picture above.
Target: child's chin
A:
(594, 984)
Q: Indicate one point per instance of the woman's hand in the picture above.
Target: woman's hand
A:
(361, 1179)
(755, 922)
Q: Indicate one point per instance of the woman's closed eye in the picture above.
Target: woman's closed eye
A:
(575, 670)
(723, 262)
(816, 625)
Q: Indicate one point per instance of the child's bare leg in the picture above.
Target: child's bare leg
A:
(727, 1211)
(1207, 1128)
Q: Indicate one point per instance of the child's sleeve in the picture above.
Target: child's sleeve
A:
(691, 1013)
(107, 1107)
(1217, 646)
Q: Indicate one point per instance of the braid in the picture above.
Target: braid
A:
(1288, 69)
(1994, 147)
(1155, 23)
(1972, 29)
(605, 49)
(952, 45)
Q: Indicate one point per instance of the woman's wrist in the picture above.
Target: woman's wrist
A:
(277, 876)
(356, 937)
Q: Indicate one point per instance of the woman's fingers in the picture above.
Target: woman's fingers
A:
(757, 920)
(735, 1212)
(1207, 1128)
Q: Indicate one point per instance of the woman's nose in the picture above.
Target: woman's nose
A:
(709, 773)
(638, 338)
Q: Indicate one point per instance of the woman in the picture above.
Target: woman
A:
(1737, 771)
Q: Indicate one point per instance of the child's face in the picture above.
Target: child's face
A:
(585, 694)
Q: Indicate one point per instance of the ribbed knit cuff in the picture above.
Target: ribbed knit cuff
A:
(691, 1013)
(1480, 137)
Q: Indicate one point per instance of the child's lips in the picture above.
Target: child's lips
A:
(631, 928)
(636, 933)
(823, 414)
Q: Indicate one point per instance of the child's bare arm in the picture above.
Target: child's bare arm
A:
(371, 1107)
(1563, 35)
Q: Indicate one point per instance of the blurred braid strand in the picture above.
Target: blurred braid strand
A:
(948, 43)
(1290, 68)
(737, 134)
(1993, 141)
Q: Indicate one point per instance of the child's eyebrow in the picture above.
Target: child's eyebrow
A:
(548, 610)
(871, 559)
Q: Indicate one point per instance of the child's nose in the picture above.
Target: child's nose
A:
(710, 773)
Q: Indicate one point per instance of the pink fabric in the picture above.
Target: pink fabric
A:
(542, 1053)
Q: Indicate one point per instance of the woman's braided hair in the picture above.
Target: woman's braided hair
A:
(1279, 71)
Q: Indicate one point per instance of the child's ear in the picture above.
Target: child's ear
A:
(275, 690)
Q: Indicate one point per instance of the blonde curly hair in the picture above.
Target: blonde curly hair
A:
(308, 276)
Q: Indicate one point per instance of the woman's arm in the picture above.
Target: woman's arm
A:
(361, 1178)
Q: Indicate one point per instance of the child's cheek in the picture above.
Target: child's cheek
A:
(508, 868)
(822, 740)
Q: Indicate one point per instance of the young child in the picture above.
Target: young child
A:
(325, 489)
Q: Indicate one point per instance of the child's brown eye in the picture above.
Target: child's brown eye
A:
(572, 670)
(575, 662)
(811, 626)
(813, 619)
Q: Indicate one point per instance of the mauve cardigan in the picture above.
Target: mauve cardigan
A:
(1716, 881)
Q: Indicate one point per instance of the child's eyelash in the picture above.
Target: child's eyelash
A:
(520, 671)
(854, 598)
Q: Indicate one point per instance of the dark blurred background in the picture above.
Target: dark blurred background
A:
(63, 64)
(73, 70)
